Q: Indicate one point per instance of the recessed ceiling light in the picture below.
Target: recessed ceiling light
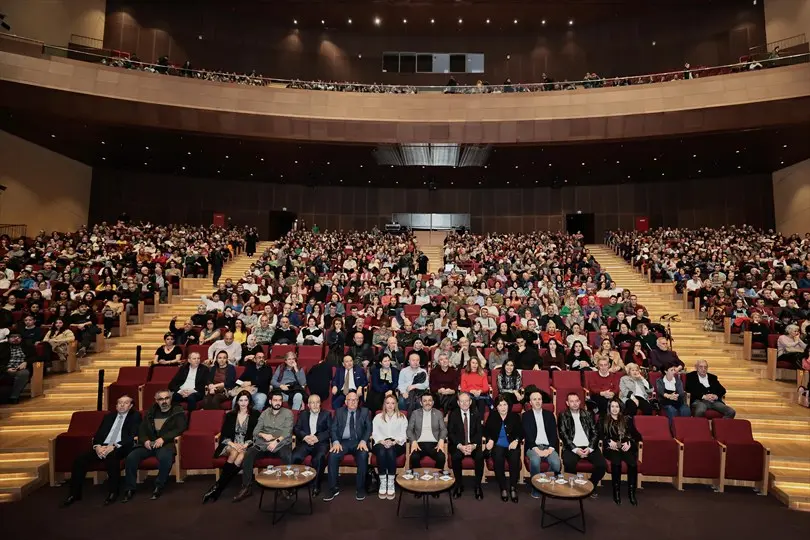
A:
(432, 21)
(328, 162)
(543, 22)
(694, 155)
(227, 157)
(404, 21)
(617, 162)
(295, 21)
(199, 37)
(653, 43)
(377, 21)
(350, 21)
(369, 181)
(781, 163)
(183, 167)
(251, 174)
(189, 153)
(103, 159)
(662, 174)
(516, 166)
(341, 179)
(655, 159)
(700, 171)
(296, 162)
(487, 21)
(102, 142)
(262, 159)
(737, 152)
(217, 170)
(570, 22)
(146, 147)
(53, 136)
(507, 181)
(460, 21)
(785, 146)
(479, 182)
(583, 163)
(359, 55)
(323, 21)
(361, 166)
(145, 163)
(515, 21)
(739, 166)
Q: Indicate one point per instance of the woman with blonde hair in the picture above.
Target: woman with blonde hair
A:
(635, 393)
(606, 352)
(389, 433)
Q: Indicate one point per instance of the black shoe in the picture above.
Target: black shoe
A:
(617, 492)
(479, 493)
(70, 500)
(457, 493)
(316, 491)
(128, 495)
(631, 493)
(331, 494)
(110, 499)
(513, 495)
(212, 494)
(157, 493)
(504, 496)
(360, 496)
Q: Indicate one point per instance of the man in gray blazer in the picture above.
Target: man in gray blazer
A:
(426, 433)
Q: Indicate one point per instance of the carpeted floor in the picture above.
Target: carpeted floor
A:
(662, 514)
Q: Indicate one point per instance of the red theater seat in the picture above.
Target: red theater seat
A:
(702, 456)
(280, 351)
(78, 439)
(199, 442)
(161, 376)
(129, 381)
(659, 452)
(747, 461)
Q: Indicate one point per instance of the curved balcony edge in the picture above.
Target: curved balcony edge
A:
(779, 96)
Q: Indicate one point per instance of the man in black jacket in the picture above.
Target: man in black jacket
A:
(216, 260)
(161, 425)
(16, 363)
(259, 375)
(188, 384)
(580, 439)
(361, 352)
(706, 392)
(312, 432)
(113, 441)
(540, 431)
(465, 435)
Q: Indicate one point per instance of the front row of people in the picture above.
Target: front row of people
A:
(248, 435)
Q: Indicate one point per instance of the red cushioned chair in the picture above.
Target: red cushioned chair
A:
(129, 381)
(659, 453)
(199, 442)
(412, 310)
(78, 439)
(150, 465)
(161, 376)
(309, 355)
(278, 352)
(540, 379)
(747, 461)
(592, 375)
(202, 349)
(703, 459)
(561, 394)
(749, 346)
(566, 379)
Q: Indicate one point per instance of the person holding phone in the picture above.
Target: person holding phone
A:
(389, 434)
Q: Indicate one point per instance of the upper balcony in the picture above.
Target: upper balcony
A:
(33, 76)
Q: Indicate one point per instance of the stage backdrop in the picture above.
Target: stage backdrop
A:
(684, 203)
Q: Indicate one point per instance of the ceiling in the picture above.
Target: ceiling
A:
(436, 16)
(195, 155)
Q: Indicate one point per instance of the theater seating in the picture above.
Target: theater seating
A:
(541, 380)
(778, 370)
(150, 464)
(129, 381)
(278, 352)
(199, 442)
(78, 439)
(158, 380)
(746, 460)
(561, 395)
(659, 452)
(703, 459)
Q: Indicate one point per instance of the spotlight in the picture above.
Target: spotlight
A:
(377, 21)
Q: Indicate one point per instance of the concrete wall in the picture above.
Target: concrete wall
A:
(44, 190)
(53, 21)
(791, 198)
(786, 18)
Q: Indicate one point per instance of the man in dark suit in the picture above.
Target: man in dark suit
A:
(465, 435)
(351, 431)
(189, 382)
(312, 431)
(347, 379)
(706, 392)
(540, 431)
(114, 439)
(580, 439)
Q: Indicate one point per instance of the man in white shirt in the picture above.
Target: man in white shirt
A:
(228, 345)
(580, 439)
(189, 383)
(695, 283)
(540, 431)
(213, 303)
(407, 381)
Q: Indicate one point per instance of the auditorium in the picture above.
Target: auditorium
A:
(470, 268)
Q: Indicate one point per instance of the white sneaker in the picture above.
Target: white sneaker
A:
(383, 486)
(391, 487)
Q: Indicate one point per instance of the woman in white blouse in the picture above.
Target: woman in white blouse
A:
(389, 435)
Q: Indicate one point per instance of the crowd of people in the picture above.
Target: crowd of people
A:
(408, 359)
(758, 279)
(546, 84)
(58, 289)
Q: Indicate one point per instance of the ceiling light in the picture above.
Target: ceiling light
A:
(570, 22)
(377, 21)
(487, 21)
(183, 167)
(432, 21)
(359, 55)
(295, 21)
(479, 182)
(404, 21)
(737, 152)
(53, 136)
(199, 37)
(543, 22)
(296, 162)
(617, 162)
(369, 181)
(350, 21)
(251, 174)
(785, 146)
(145, 163)
(328, 162)
(507, 181)
(323, 21)
(739, 167)
(781, 163)
(700, 171)
(662, 174)
(102, 142)
(516, 166)
(281, 176)
(189, 153)
(227, 157)
(653, 43)
(217, 171)
(341, 179)
(262, 159)
(460, 21)
(103, 159)
(146, 147)
(694, 155)
(655, 159)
